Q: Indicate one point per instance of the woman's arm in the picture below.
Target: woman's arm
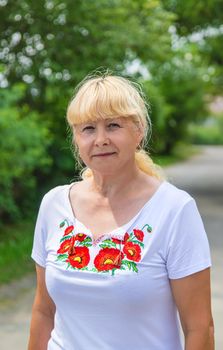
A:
(193, 299)
(43, 311)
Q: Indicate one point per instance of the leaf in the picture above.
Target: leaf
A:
(107, 241)
(62, 257)
(62, 224)
(108, 244)
(130, 264)
(88, 239)
(149, 228)
(131, 237)
(84, 244)
(135, 268)
(64, 238)
(138, 242)
(125, 262)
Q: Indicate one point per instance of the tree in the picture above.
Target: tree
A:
(200, 23)
(51, 45)
(23, 145)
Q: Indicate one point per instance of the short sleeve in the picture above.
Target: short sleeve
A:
(188, 250)
(38, 249)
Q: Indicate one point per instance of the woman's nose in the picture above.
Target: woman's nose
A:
(101, 137)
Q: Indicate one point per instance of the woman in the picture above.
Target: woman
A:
(121, 252)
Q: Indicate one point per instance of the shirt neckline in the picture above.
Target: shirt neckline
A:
(118, 232)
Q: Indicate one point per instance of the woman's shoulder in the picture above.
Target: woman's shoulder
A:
(174, 196)
(54, 194)
(56, 190)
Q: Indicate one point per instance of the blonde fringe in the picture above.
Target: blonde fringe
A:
(144, 163)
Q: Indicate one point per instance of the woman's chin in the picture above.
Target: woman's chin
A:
(105, 169)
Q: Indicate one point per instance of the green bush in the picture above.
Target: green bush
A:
(15, 246)
(23, 146)
(176, 93)
(209, 133)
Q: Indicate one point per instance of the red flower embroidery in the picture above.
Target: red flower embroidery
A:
(80, 237)
(117, 241)
(108, 259)
(126, 237)
(121, 241)
(80, 257)
(139, 234)
(68, 230)
(64, 247)
(132, 251)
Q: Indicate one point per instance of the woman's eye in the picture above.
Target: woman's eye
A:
(113, 125)
(88, 128)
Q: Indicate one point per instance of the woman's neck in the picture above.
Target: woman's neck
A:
(109, 185)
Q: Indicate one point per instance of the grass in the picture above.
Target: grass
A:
(15, 249)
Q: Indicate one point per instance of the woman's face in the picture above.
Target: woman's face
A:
(107, 145)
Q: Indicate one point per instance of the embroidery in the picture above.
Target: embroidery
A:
(114, 253)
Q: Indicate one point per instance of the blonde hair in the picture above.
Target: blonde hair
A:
(109, 96)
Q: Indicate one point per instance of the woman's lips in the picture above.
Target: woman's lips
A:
(104, 154)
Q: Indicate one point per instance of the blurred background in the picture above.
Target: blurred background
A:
(173, 48)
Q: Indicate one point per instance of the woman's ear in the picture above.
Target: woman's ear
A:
(139, 132)
(140, 135)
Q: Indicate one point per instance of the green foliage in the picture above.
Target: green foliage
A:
(159, 112)
(194, 15)
(52, 45)
(209, 133)
(177, 97)
(15, 250)
(202, 19)
(23, 150)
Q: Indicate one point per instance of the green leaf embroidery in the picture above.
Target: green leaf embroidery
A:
(88, 239)
(84, 244)
(64, 238)
(130, 264)
(131, 237)
(108, 240)
(62, 224)
(148, 228)
(62, 257)
(134, 267)
(122, 267)
(107, 244)
(138, 242)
